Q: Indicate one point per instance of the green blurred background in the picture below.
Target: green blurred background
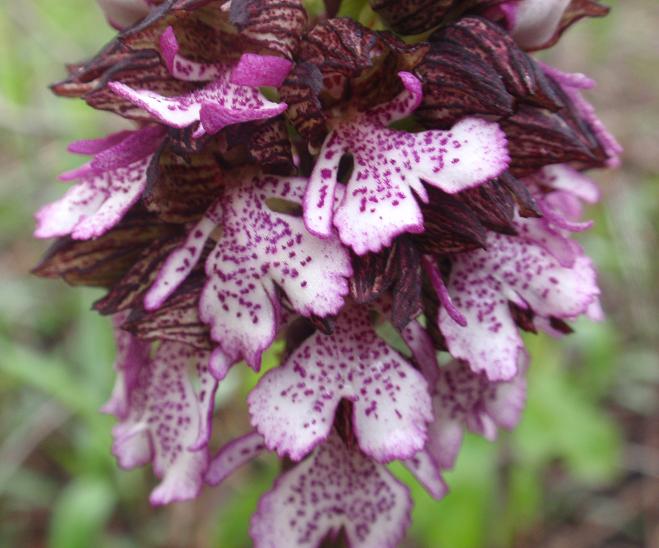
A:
(582, 470)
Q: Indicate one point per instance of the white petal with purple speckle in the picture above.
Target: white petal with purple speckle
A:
(293, 405)
(378, 203)
(335, 488)
(109, 185)
(259, 250)
(169, 421)
(511, 269)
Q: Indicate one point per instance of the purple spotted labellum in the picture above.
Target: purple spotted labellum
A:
(293, 406)
(378, 203)
(524, 270)
(368, 203)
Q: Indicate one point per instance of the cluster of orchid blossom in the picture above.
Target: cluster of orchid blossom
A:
(309, 179)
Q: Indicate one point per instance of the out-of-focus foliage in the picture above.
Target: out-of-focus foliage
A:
(585, 442)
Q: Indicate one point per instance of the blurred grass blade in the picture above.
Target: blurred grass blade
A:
(48, 374)
(80, 513)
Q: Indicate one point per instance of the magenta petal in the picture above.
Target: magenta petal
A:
(419, 342)
(563, 177)
(595, 311)
(260, 70)
(445, 437)
(551, 239)
(94, 146)
(293, 405)
(233, 455)
(135, 146)
(109, 185)
(216, 105)
(319, 199)
(125, 187)
(441, 291)
(214, 117)
(220, 363)
(132, 355)
(472, 152)
(182, 68)
(176, 112)
(572, 85)
(428, 472)
(335, 488)
(61, 217)
(505, 401)
(403, 105)
(552, 207)
(85, 170)
(169, 47)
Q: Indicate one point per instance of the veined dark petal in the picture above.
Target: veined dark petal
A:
(538, 24)
(356, 61)
(301, 92)
(521, 75)
(537, 137)
(406, 290)
(264, 143)
(526, 205)
(493, 205)
(450, 226)
(489, 75)
(396, 269)
(143, 69)
(416, 16)
(128, 292)
(104, 261)
(177, 320)
(272, 24)
(412, 16)
(576, 10)
(459, 83)
(372, 274)
(181, 186)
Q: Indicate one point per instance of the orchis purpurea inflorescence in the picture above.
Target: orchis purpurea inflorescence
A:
(308, 179)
